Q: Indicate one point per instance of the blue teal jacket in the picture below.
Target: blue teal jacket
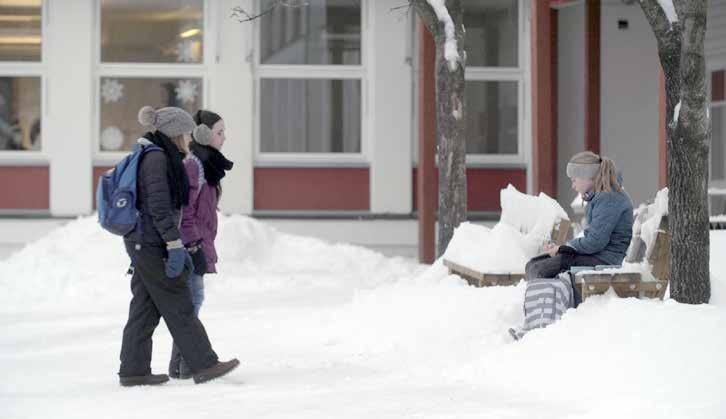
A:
(609, 227)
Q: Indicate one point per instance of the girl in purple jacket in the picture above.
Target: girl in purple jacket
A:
(205, 166)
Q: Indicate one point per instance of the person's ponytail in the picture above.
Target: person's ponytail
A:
(607, 177)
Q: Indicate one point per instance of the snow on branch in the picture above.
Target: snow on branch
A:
(669, 9)
(451, 52)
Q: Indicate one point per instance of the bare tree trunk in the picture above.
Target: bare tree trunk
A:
(681, 52)
(450, 121)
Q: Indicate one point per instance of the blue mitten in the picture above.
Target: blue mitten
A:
(175, 261)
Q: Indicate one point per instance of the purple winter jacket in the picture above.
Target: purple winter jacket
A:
(199, 218)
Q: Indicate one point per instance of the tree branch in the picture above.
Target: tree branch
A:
(243, 16)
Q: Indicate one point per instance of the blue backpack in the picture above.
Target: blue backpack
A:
(116, 193)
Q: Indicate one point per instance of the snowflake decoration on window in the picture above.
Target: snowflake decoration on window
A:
(185, 51)
(186, 91)
(112, 91)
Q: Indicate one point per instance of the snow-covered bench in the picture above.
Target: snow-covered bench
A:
(645, 272)
(497, 256)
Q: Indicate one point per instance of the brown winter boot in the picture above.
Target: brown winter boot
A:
(215, 371)
(144, 380)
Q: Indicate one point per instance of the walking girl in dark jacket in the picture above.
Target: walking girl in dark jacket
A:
(205, 167)
(160, 262)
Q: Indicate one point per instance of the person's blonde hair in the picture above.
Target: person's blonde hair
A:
(606, 179)
(181, 143)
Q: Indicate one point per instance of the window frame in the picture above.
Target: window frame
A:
(520, 75)
(304, 71)
(31, 69)
(147, 71)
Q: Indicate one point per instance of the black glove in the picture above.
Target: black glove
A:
(566, 250)
(198, 257)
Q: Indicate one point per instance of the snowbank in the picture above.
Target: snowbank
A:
(80, 262)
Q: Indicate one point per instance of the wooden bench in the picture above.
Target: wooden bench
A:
(633, 284)
(485, 279)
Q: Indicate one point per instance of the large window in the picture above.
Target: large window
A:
(494, 77)
(20, 75)
(310, 80)
(150, 53)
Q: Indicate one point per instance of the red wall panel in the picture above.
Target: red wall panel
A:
(483, 186)
(323, 189)
(25, 187)
(718, 90)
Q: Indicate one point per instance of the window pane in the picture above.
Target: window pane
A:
(20, 113)
(319, 32)
(121, 99)
(158, 31)
(491, 117)
(492, 33)
(310, 116)
(20, 34)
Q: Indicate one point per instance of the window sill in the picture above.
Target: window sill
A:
(23, 158)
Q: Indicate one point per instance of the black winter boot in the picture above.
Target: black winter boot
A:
(215, 371)
(143, 380)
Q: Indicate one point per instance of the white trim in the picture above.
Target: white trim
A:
(526, 57)
(309, 72)
(23, 158)
(147, 70)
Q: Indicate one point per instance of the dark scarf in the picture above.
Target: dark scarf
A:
(214, 163)
(175, 173)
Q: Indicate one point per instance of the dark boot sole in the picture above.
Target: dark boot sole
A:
(206, 376)
(142, 381)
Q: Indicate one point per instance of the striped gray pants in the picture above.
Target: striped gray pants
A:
(545, 301)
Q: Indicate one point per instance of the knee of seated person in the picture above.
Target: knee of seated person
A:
(530, 268)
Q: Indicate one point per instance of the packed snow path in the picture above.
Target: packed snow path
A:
(336, 331)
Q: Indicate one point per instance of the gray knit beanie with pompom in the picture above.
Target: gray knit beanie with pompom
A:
(202, 135)
(170, 121)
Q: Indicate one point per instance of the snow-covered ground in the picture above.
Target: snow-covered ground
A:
(337, 331)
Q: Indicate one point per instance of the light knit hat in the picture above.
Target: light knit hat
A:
(583, 170)
(170, 121)
(202, 134)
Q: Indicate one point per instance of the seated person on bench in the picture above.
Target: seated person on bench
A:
(608, 220)
(607, 234)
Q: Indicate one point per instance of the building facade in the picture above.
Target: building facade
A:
(323, 103)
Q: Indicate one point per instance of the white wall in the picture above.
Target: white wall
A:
(231, 95)
(389, 108)
(629, 98)
(68, 108)
(571, 94)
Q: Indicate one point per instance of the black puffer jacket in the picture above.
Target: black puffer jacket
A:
(159, 221)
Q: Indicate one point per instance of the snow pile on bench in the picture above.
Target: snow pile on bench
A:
(648, 228)
(525, 223)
